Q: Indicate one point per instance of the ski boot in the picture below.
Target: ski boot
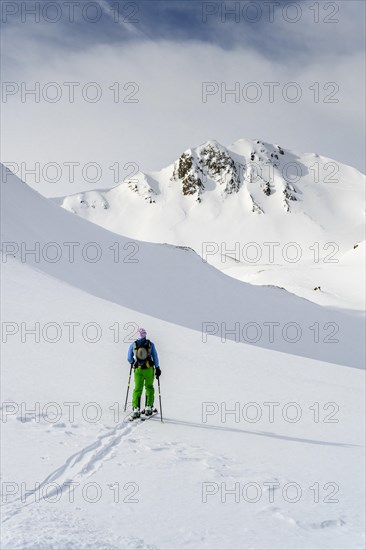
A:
(135, 414)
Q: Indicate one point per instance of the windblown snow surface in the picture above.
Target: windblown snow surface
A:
(262, 444)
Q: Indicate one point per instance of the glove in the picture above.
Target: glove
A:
(157, 372)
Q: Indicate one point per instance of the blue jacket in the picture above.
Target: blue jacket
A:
(131, 352)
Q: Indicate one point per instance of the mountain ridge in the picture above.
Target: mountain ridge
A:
(247, 196)
(266, 178)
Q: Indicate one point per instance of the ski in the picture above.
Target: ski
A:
(142, 416)
(146, 417)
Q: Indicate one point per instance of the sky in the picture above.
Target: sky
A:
(126, 86)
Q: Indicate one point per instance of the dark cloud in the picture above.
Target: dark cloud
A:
(280, 30)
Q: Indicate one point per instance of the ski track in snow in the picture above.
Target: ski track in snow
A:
(77, 467)
(176, 455)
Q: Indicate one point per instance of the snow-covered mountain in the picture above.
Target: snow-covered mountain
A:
(168, 282)
(253, 209)
(207, 478)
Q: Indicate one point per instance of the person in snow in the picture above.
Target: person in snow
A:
(143, 358)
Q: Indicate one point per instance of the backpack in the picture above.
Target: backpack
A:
(143, 354)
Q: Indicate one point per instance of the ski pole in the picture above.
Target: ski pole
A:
(128, 388)
(161, 410)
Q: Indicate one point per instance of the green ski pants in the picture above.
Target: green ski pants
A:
(143, 377)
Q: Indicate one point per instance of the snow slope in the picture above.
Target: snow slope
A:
(249, 192)
(169, 468)
(162, 471)
(341, 283)
(172, 284)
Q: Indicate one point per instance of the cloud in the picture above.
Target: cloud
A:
(160, 111)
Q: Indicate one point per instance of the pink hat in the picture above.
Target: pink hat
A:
(141, 332)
